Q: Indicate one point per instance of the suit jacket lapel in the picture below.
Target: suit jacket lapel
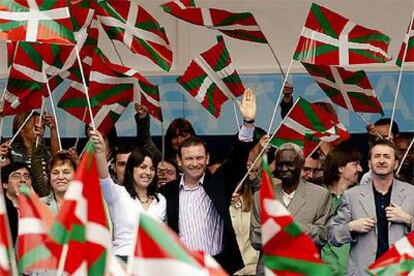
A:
(299, 199)
(398, 193)
(367, 201)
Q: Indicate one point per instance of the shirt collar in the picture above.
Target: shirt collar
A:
(183, 186)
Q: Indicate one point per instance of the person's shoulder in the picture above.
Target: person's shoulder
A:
(314, 188)
(404, 185)
(169, 187)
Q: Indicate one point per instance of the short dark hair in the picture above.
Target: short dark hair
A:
(63, 157)
(124, 148)
(191, 141)
(177, 127)
(395, 130)
(9, 169)
(339, 156)
(384, 142)
(134, 160)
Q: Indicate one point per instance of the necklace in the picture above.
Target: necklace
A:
(144, 201)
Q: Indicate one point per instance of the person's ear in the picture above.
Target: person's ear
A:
(179, 160)
(5, 185)
(208, 158)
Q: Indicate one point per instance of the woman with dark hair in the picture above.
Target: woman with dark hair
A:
(138, 194)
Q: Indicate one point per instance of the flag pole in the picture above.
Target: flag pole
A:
(236, 117)
(62, 260)
(20, 128)
(279, 98)
(276, 59)
(85, 87)
(394, 105)
(405, 156)
(162, 142)
(54, 114)
(42, 109)
(77, 138)
(263, 150)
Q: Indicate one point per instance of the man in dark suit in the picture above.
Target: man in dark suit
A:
(198, 203)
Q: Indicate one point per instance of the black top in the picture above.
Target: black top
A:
(381, 202)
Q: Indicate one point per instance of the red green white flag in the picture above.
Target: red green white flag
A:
(349, 89)
(287, 250)
(81, 224)
(35, 221)
(6, 243)
(408, 40)
(43, 21)
(329, 38)
(308, 118)
(158, 251)
(237, 25)
(131, 24)
(398, 260)
(211, 78)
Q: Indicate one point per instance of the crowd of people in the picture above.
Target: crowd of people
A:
(351, 220)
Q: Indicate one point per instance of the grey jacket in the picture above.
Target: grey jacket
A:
(311, 207)
(358, 202)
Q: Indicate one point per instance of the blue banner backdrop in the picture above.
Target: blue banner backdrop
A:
(176, 102)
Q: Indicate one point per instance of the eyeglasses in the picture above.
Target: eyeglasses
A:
(18, 176)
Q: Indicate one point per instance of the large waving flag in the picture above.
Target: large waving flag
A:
(398, 260)
(287, 250)
(36, 21)
(407, 42)
(35, 221)
(81, 224)
(329, 38)
(349, 89)
(158, 251)
(307, 118)
(6, 243)
(131, 24)
(238, 25)
(211, 79)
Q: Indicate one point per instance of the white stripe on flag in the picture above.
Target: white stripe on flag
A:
(98, 234)
(269, 229)
(299, 128)
(33, 17)
(132, 18)
(4, 260)
(31, 225)
(215, 77)
(153, 266)
(403, 246)
(30, 73)
(132, 30)
(202, 91)
(343, 43)
(151, 100)
(340, 87)
(104, 110)
(75, 193)
(2, 206)
(12, 99)
(323, 38)
(207, 20)
(82, 270)
(249, 28)
(275, 208)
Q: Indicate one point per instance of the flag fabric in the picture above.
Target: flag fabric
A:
(81, 224)
(305, 117)
(6, 243)
(131, 24)
(397, 260)
(282, 237)
(35, 221)
(36, 21)
(331, 39)
(158, 251)
(310, 144)
(237, 25)
(211, 79)
(408, 40)
(349, 89)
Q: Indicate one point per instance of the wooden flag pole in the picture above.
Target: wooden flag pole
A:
(405, 156)
(394, 105)
(279, 98)
(20, 128)
(42, 110)
(83, 120)
(54, 115)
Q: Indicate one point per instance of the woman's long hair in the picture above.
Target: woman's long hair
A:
(134, 160)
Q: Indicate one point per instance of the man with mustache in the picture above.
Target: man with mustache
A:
(375, 215)
(198, 202)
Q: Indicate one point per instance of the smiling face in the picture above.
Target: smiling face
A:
(350, 172)
(60, 176)
(144, 173)
(382, 161)
(16, 179)
(193, 161)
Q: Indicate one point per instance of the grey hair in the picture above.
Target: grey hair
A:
(293, 147)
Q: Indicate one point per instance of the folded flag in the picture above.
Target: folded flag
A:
(329, 38)
(349, 89)
(408, 40)
(211, 79)
(238, 25)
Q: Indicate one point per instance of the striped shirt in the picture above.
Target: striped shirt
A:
(200, 225)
